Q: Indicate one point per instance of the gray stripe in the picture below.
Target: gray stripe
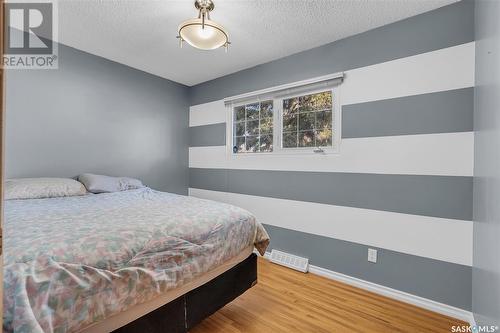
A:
(441, 281)
(207, 135)
(208, 179)
(439, 196)
(447, 26)
(441, 112)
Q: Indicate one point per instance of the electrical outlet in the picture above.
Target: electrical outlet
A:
(372, 255)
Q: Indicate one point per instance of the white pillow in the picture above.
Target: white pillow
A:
(107, 184)
(37, 188)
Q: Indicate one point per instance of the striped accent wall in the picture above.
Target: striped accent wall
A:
(402, 180)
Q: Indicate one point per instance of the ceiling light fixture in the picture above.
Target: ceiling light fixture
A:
(201, 32)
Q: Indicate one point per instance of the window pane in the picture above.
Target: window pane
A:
(239, 144)
(306, 139)
(324, 137)
(251, 121)
(306, 103)
(266, 143)
(323, 119)
(239, 129)
(316, 102)
(252, 111)
(290, 140)
(306, 121)
(252, 143)
(321, 101)
(266, 126)
(239, 113)
(290, 123)
(253, 127)
(290, 106)
(266, 109)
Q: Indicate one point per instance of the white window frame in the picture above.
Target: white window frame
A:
(277, 95)
(230, 130)
(335, 148)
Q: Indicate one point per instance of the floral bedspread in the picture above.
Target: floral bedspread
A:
(69, 262)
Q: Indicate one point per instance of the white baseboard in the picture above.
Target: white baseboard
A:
(402, 296)
(472, 320)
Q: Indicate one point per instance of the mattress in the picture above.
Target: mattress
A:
(122, 318)
(75, 261)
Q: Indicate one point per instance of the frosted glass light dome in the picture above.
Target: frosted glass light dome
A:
(202, 32)
(208, 36)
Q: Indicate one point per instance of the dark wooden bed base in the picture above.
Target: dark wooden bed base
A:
(185, 312)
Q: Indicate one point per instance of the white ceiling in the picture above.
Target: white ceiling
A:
(141, 33)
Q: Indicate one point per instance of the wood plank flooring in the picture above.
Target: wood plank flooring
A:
(288, 301)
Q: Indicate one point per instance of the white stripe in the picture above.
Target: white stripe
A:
(436, 238)
(449, 154)
(444, 69)
(440, 70)
(207, 113)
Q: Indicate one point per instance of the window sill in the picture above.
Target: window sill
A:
(295, 152)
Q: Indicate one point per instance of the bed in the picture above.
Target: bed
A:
(94, 263)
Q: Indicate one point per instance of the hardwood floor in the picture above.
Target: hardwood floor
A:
(288, 301)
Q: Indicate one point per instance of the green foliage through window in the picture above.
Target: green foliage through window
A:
(253, 128)
(307, 121)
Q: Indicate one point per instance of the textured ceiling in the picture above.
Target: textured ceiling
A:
(141, 33)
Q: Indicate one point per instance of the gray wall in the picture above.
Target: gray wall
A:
(486, 263)
(95, 115)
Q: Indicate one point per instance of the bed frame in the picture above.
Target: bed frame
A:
(183, 313)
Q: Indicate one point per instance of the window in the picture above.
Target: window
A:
(307, 121)
(253, 127)
(296, 118)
